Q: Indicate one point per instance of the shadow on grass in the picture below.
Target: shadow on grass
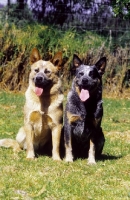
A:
(105, 157)
(78, 153)
(47, 151)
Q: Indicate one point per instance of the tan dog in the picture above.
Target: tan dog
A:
(43, 109)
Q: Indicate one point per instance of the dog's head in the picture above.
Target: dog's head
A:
(44, 74)
(87, 78)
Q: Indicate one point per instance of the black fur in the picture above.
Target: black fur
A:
(89, 112)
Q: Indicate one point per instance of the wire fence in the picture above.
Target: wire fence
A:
(97, 18)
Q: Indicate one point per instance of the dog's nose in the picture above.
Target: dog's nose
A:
(39, 79)
(84, 80)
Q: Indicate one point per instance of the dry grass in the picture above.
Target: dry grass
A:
(16, 45)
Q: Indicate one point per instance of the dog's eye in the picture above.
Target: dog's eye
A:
(36, 70)
(92, 74)
(81, 73)
(47, 71)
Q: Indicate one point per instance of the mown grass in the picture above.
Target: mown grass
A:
(46, 179)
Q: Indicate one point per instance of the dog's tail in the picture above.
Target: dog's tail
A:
(10, 143)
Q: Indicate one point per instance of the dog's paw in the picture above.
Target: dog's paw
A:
(68, 159)
(56, 158)
(91, 162)
(30, 155)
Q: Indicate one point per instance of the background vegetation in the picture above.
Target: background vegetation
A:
(16, 45)
(91, 36)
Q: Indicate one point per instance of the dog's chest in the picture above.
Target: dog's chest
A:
(40, 121)
(42, 111)
(90, 106)
(42, 125)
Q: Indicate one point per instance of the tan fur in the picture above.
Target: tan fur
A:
(91, 155)
(10, 143)
(73, 118)
(96, 121)
(77, 90)
(68, 151)
(42, 115)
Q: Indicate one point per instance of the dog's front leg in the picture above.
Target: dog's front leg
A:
(91, 155)
(29, 141)
(68, 144)
(56, 134)
(68, 152)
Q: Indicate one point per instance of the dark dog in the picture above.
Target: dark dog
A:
(84, 111)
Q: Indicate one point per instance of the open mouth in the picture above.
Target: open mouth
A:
(84, 94)
(40, 84)
(40, 88)
(38, 91)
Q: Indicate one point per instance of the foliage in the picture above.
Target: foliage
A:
(63, 12)
(14, 14)
(121, 8)
(44, 178)
(16, 45)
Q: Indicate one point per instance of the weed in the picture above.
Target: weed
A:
(17, 43)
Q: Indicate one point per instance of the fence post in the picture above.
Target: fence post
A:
(7, 13)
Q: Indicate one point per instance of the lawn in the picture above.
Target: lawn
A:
(44, 178)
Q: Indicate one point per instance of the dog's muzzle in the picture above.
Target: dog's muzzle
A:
(88, 83)
(41, 80)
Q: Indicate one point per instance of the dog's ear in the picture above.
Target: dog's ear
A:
(101, 65)
(76, 61)
(57, 60)
(75, 64)
(35, 56)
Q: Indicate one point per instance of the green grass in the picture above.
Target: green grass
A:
(46, 179)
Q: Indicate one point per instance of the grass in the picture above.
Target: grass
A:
(17, 42)
(46, 179)
(47, 39)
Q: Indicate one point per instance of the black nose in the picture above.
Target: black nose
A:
(39, 79)
(84, 80)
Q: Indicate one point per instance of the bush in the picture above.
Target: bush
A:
(19, 17)
(16, 44)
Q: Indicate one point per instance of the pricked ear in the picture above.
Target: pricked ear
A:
(57, 60)
(101, 65)
(35, 56)
(76, 61)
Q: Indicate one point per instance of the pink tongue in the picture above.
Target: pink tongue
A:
(84, 95)
(38, 91)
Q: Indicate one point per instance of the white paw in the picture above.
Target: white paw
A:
(30, 155)
(57, 158)
(91, 162)
(69, 159)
